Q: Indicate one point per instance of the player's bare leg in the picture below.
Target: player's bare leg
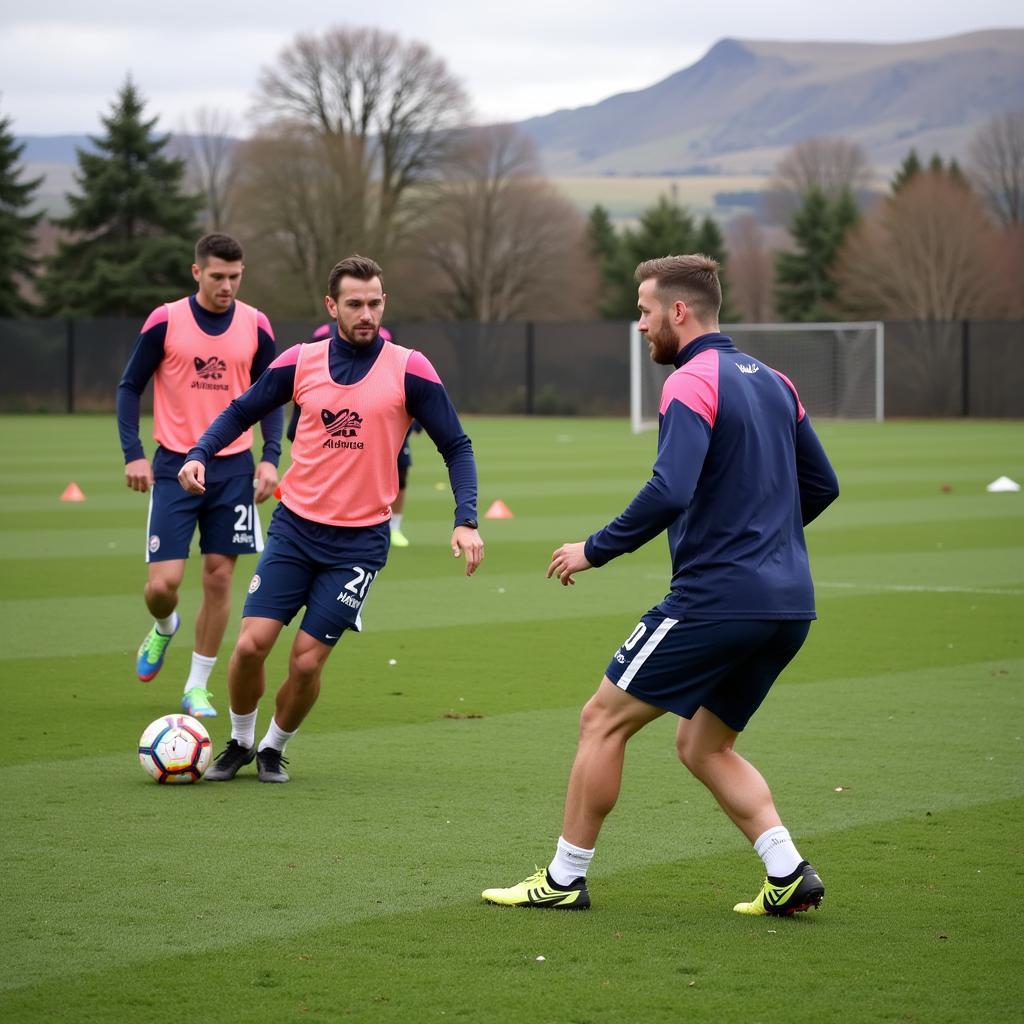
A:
(215, 611)
(295, 698)
(705, 746)
(246, 685)
(607, 722)
(299, 692)
(246, 676)
(211, 622)
(163, 580)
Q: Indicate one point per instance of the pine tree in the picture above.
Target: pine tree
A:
(956, 174)
(804, 287)
(911, 165)
(132, 227)
(709, 241)
(665, 229)
(607, 250)
(17, 227)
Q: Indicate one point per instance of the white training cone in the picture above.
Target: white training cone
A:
(1004, 483)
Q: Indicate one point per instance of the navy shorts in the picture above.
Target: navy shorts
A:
(291, 574)
(228, 520)
(727, 667)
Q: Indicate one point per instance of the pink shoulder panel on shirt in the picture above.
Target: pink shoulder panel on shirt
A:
(419, 365)
(800, 412)
(696, 386)
(264, 324)
(158, 316)
(289, 357)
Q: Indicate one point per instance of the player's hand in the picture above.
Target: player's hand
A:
(138, 475)
(466, 539)
(265, 481)
(566, 561)
(192, 476)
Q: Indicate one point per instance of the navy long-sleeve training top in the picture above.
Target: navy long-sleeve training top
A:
(425, 400)
(739, 473)
(142, 364)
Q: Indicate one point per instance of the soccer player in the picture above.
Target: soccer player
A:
(328, 538)
(398, 539)
(201, 352)
(739, 473)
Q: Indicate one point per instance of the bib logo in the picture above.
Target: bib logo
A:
(345, 423)
(208, 370)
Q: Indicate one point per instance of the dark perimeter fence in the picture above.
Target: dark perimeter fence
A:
(969, 368)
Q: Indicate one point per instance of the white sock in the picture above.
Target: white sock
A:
(276, 737)
(571, 862)
(168, 626)
(396, 520)
(775, 847)
(243, 728)
(202, 666)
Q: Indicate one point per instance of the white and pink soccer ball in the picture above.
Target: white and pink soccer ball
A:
(175, 749)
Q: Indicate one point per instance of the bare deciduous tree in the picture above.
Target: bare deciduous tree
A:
(997, 165)
(926, 253)
(502, 241)
(296, 215)
(387, 106)
(208, 145)
(751, 270)
(833, 165)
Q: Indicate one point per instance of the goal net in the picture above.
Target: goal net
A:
(838, 368)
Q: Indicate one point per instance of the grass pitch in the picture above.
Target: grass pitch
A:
(894, 745)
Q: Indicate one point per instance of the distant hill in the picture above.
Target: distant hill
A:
(738, 108)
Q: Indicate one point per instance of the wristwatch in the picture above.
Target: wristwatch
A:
(471, 523)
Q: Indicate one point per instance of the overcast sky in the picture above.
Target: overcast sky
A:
(62, 61)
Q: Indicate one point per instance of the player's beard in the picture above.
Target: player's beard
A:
(663, 344)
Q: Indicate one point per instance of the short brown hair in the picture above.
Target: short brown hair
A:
(360, 267)
(693, 278)
(224, 247)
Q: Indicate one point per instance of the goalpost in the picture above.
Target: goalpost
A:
(838, 368)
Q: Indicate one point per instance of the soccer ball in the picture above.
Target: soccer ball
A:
(175, 748)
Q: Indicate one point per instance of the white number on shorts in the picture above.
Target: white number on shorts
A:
(634, 637)
(360, 582)
(244, 521)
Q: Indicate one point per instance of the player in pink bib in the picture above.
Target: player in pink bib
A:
(201, 352)
(329, 537)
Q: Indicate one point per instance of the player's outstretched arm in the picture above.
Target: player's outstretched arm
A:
(466, 540)
(192, 476)
(568, 560)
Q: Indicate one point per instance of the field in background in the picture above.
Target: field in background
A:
(626, 197)
(895, 745)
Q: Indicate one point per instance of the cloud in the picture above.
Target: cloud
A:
(63, 61)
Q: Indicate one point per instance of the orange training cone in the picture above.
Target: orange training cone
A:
(72, 493)
(499, 510)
